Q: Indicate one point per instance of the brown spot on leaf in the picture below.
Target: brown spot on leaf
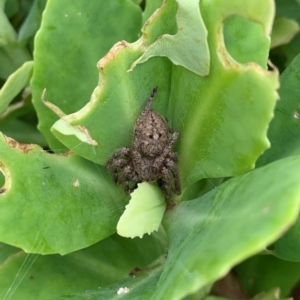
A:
(87, 133)
(21, 147)
(2, 190)
(111, 54)
(135, 271)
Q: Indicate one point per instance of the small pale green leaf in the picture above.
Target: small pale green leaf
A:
(209, 235)
(80, 133)
(283, 31)
(64, 194)
(144, 212)
(188, 47)
(14, 84)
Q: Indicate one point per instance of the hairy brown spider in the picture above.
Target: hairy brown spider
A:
(151, 158)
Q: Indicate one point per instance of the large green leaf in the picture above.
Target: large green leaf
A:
(222, 118)
(46, 197)
(237, 219)
(31, 276)
(74, 35)
(211, 234)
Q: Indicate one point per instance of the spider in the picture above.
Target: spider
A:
(151, 158)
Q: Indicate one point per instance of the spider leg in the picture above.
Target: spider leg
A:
(116, 166)
(159, 160)
(137, 159)
(123, 151)
(127, 176)
(165, 183)
(172, 166)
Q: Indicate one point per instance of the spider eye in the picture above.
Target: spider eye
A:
(151, 136)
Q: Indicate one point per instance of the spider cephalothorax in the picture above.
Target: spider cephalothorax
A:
(151, 158)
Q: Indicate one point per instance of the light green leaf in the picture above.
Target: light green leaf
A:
(14, 85)
(188, 47)
(63, 194)
(144, 212)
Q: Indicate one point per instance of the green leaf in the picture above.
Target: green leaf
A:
(283, 31)
(287, 247)
(290, 50)
(28, 276)
(63, 194)
(288, 9)
(246, 48)
(265, 272)
(137, 287)
(6, 251)
(274, 294)
(15, 84)
(211, 234)
(151, 7)
(188, 47)
(32, 22)
(7, 32)
(284, 132)
(144, 212)
(222, 123)
(74, 35)
(22, 132)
